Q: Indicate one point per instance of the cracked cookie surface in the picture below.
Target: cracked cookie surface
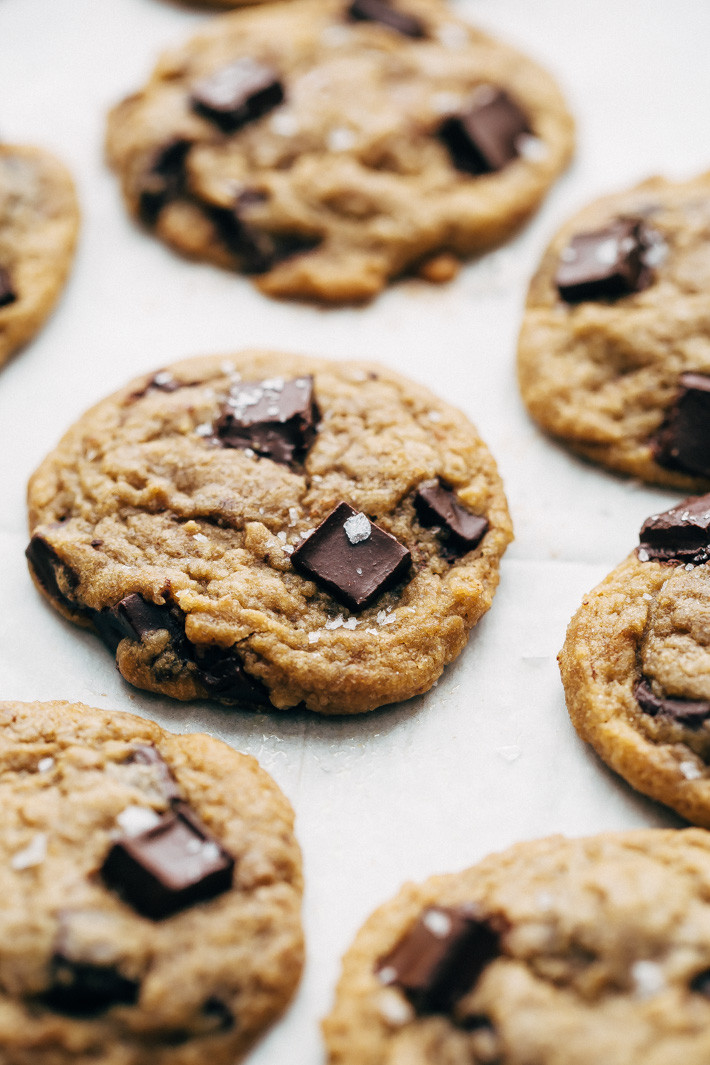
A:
(39, 221)
(85, 977)
(602, 954)
(345, 182)
(143, 517)
(604, 375)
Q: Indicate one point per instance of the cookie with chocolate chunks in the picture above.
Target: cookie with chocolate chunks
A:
(636, 665)
(306, 171)
(151, 889)
(249, 529)
(614, 350)
(39, 222)
(553, 951)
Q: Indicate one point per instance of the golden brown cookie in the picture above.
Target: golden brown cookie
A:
(636, 666)
(614, 353)
(554, 952)
(151, 890)
(272, 530)
(327, 146)
(39, 221)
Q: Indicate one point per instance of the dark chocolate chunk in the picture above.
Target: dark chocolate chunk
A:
(485, 138)
(701, 983)
(605, 264)
(237, 94)
(681, 534)
(217, 1015)
(683, 440)
(164, 181)
(221, 672)
(257, 250)
(440, 959)
(175, 864)
(149, 755)
(437, 505)
(383, 12)
(7, 292)
(139, 616)
(689, 712)
(83, 990)
(351, 558)
(276, 418)
(52, 573)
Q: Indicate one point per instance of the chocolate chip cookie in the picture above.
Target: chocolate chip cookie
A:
(39, 221)
(554, 952)
(614, 355)
(272, 530)
(636, 666)
(327, 146)
(151, 890)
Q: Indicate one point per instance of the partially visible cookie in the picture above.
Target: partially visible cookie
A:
(636, 662)
(39, 221)
(614, 353)
(327, 146)
(272, 530)
(151, 889)
(554, 952)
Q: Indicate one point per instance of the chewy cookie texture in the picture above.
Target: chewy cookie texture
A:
(635, 663)
(39, 221)
(614, 353)
(555, 951)
(272, 530)
(327, 146)
(151, 891)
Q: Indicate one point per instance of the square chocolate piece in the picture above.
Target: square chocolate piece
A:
(352, 558)
(485, 139)
(174, 864)
(437, 505)
(7, 292)
(681, 534)
(238, 93)
(683, 441)
(605, 264)
(275, 418)
(381, 11)
(440, 959)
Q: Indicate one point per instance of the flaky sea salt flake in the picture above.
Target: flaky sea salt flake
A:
(33, 854)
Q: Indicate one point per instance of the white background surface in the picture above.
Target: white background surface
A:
(488, 757)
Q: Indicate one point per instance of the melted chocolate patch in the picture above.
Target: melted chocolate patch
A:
(689, 712)
(683, 441)
(437, 505)
(275, 418)
(83, 990)
(440, 959)
(605, 264)
(175, 864)
(352, 558)
(50, 570)
(238, 93)
(701, 983)
(257, 250)
(381, 11)
(7, 292)
(222, 673)
(681, 534)
(485, 139)
(164, 181)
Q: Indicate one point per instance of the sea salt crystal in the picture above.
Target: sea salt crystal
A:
(284, 123)
(33, 854)
(44, 765)
(434, 416)
(201, 537)
(351, 623)
(335, 623)
(688, 567)
(394, 1008)
(288, 549)
(690, 770)
(292, 515)
(227, 367)
(438, 923)
(313, 637)
(203, 429)
(282, 536)
(452, 36)
(358, 528)
(250, 454)
(642, 555)
(532, 148)
(647, 596)
(316, 478)
(136, 819)
(647, 978)
(341, 139)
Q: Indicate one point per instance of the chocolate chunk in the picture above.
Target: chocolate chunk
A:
(7, 292)
(437, 505)
(383, 12)
(485, 138)
(164, 181)
(221, 672)
(701, 983)
(147, 754)
(683, 441)
(440, 959)
(690, 712)
(351, 558)
(218, 1016)
(605, 264)
(175, 864)
(275, 418)
(681, 534)
(257, 250)
(237, 94)
(52, 573)
(139, 617)
(84, 990)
